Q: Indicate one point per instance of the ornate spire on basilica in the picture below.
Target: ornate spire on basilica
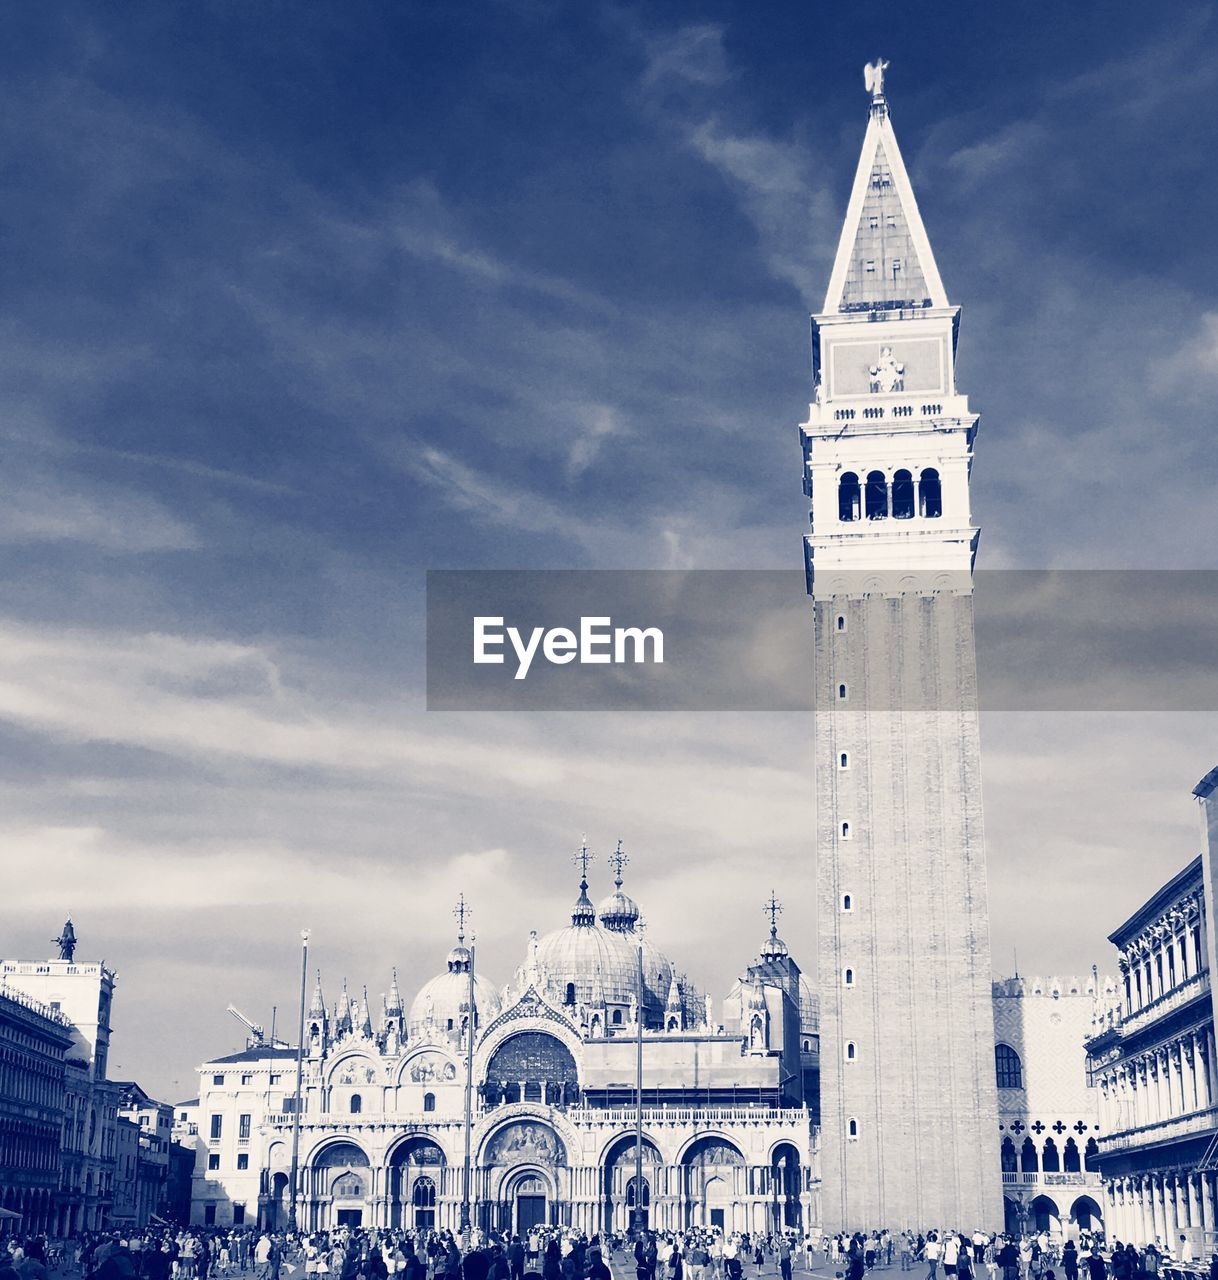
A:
(618, 912)
(365, 1020)
(773, 948)
(584, 913)
(393, 1001)
(342, 1013)
(317, 1006)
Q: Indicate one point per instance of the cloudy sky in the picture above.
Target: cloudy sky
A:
(302, 300)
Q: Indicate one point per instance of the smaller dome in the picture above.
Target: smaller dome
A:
(773, 948)
(441, 1003)
(618, 911)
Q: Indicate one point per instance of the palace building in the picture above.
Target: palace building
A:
(1153, 1059)
(728, 1133)
(909, 1109)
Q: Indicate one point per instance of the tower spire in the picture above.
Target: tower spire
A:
(884, 260)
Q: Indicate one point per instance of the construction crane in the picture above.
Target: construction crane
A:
(257, 1036)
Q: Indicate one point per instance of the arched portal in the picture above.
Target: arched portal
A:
(710, 1168)
(341, 1186)
(619, 1171)
(1086, 1214)
(1044, 1215)
(413, 1165)
(532, 1067)
(526, 1196)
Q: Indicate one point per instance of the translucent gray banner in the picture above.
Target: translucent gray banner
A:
(753, 640)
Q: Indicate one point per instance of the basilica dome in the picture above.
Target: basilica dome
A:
(590, 963)
(440, 1003)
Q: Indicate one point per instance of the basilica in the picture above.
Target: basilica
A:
(550, 1078)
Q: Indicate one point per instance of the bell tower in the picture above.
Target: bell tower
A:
(909, 1134)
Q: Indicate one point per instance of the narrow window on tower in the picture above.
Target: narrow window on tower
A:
(847, 902)
(841, 622)
(841, 693)
(847, 977)
(843, 761)
(848, 498)
(851, 1051)
(845, 831)
(876, 498)
(902, 495)
(930, 494)
(852, 1129)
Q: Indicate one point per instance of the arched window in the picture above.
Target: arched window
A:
(357, 1104)
(1010, 1161)
(841, 622)
(930, 494)
(848, 499)
(1008, 1067)
(617, 1017)
(847, 902)
(902, 495)
(1027, 1157)
(841, 692)
(429, 1102)
(1091, 1153)
(843, 761)
(1070, 1158)
(845, 831)
(876, 496)
(570, 996)
(1050, 1162)
(847, 977)
(852, 1129)
(851, 1051)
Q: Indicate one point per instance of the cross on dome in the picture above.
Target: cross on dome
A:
(462, 912)
(773, 909)
(582, 857)
(618, 860)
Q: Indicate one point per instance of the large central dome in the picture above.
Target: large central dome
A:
(589, 963)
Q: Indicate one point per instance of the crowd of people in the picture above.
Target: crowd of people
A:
(554, 1253)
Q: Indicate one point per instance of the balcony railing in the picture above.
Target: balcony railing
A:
(1161, 1131)
(1039, 1179)
(1169, 1001)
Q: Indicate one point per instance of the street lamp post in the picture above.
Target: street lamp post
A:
(304, 972)
(637, 1224)
(469, 1091)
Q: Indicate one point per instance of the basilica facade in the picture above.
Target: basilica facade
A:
(553, 1103)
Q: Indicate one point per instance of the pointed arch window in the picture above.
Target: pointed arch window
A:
(903, 495)
(848, 499)
(930, 494)
(876, 496)
(1008, 1067)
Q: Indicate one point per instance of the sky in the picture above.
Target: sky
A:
(301, 301)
